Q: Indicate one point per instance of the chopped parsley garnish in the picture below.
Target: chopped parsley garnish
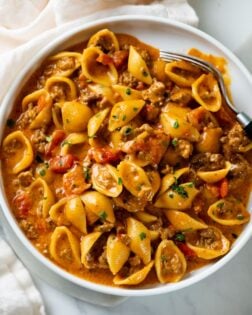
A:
(240, 216)
(119, 181)
(10, 123)
(176, 124)
(124, 117)
(46, 164)
(128, 91)
(142, 236)
(179, 237)
(39, 159)
(174, 142)
(65, 142)
(163, 258)
(103, 215)
(86, 172)
(220, 205)
(48, 138)
(42, 172)
(180, 190)
(171, 195)
(145, 73)
(127, 131)
(139, 187)
(190, 184)
(135, 109)
(115, 116)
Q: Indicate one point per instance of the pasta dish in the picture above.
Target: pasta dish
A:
(124, 169)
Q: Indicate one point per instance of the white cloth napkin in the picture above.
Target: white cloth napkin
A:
(25, 27)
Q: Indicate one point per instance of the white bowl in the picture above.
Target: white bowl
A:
(162, 33)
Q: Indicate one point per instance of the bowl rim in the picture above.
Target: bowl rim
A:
(240, 242)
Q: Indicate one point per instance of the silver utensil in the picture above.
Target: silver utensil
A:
(243, 118)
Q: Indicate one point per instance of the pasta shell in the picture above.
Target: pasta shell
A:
(96, 121)
(57, 212)
(64, 247)
(87, 242)
(106, 180)
(61, 58)
(209, 243)
(210, 140)
(104, 36)
(18, 150)
(135, 180)
(137, 66)
(75, 116)
(123, 112)
(75, 213)
(228, 213)
(169, 179)
(127, 93)
(100, 205)
(182, 221)
(34, 97)
(43, 118)
(182, 73)
(178, 127)
(42, 197)
(140, 243)
(155, 181)
(69, 88)
(214, 176)
(71, 140)
(145, 217)
(170, 263)
(136, 277)
(206, 92)
(117, 253)
(179, 199)
(97, 72)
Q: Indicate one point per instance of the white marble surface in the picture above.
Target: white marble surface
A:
(229, 290)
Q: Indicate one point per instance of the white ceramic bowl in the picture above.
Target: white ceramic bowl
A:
(160, 33)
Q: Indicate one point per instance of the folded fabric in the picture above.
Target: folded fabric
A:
(29, 27)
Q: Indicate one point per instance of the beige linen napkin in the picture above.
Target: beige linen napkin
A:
(25, 27)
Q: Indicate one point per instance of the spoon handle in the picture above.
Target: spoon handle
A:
(246, 123)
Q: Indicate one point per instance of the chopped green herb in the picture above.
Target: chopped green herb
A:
(65, 142)
(145, 73)
(128, 91)
(174, 142)
(115, 116)
(119, 181)
(142, 236)
(135, 109)
(42, 172)
(39, 159)
(220, 205)
(46, 164)
(179, 237)
(48, 138)
(86, 172)
(103, 215)
(10, 123)
(171, 195)
(176, 124)
(239, 216)
(190, 184)
(139, 187)
(180, 190)
(163, 258)
(127, 131)
(124, 117)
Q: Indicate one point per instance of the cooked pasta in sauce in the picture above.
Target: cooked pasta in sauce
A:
(124, 169)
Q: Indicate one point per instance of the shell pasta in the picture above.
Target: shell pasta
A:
(124, 169)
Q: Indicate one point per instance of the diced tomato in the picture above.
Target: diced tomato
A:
(187, 251)
(120, 58)
(224, 188)
(22, 203)
(74, 182)
(61, 163)
(104, 155)
(57, 137)
(104, 59)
